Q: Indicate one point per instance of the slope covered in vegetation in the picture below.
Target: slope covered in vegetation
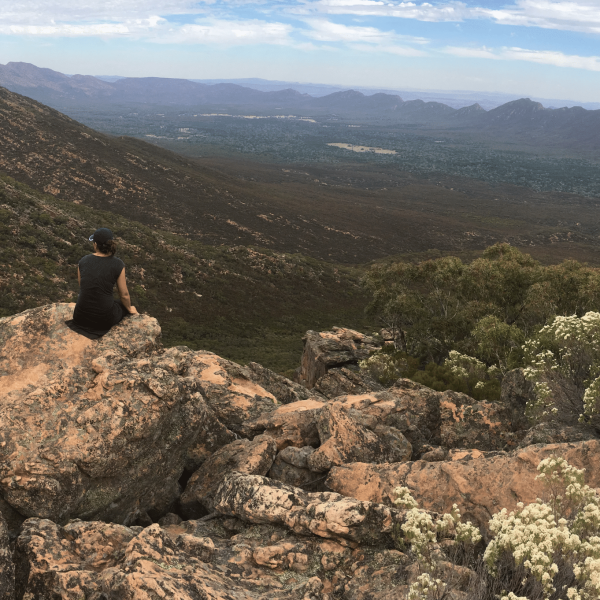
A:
(241, 302)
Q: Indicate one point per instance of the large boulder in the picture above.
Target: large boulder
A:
(327, 349)
(293, 424)
(291, 466)
(92, 429)
(349, 436)
(342, 381)
(212, 435)
(284, 389)
(244, 456)
(557, 433)
(229, 389)
(481, 425)
(104, 560)
(412, 409)
(261, 500)
(220, 559)
(480, 483)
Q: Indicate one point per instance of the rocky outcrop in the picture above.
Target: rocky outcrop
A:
(222, 559)
(291, 467)
(347, 436)
(413, 410)
(342, 381)
(90, 427)
(294, 424)
(104, 560)
(481, 425)
(260, 500)
(212, 435)
(285, 390)
(327, 349)
(480, 483)
(228, 388)
(556, 433)
(243, 456)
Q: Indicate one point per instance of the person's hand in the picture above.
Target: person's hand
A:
(133, 311)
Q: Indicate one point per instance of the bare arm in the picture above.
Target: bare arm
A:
(124, 293)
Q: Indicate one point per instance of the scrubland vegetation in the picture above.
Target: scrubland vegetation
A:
(462, 326)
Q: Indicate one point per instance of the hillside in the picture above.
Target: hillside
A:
(244, 303)
(343, 212)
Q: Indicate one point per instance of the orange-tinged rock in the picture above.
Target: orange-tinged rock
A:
(327, 349)
(291, 425)
(341, 381)
(345, 439)
(261, 500)
(90, 560)
(194, 560)
(482, 425)
(480, 483)
(243, 456)
(412, 409)
(93, 429)
(228, 389)
(285, 390)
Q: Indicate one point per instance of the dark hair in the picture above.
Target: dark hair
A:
(108, 247)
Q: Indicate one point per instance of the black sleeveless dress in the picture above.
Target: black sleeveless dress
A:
(97, 310)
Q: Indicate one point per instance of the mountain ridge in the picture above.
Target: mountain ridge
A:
(571, 127)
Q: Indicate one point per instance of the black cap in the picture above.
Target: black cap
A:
(101, 236)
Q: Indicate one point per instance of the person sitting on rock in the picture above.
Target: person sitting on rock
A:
(97, 310)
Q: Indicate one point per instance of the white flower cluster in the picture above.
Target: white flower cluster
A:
(425, 587)
(421, 531)
(566, 349)
(380, 366)
(404, 498)
(567, 526)
(465, 366)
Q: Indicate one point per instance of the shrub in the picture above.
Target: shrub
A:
(421, 533)
(556, 540)
(563, 361)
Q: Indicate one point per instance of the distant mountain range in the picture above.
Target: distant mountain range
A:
(520, 119)
(453, 98)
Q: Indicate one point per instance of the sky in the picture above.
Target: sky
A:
(537, 48)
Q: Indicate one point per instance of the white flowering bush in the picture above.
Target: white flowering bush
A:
(560, 535)
(563, 362)
(465, 366)
(420, 531)
(382, 367)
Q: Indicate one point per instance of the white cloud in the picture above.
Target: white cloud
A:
(452, 11)
(545, 57)
(326, 31)
(134, 27)
(364, 39)
(36, 12)
(571, 15)
(226, 32)
(582, 16)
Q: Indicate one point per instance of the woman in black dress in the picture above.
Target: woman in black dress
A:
(97, 310)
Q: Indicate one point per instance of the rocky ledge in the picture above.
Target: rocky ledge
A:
(133, 471)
